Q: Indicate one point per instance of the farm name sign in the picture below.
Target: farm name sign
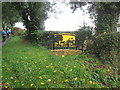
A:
(64, 40)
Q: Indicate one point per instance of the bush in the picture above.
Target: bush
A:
(106, 47)
(40, 37)
(17, 31)
(45, 38)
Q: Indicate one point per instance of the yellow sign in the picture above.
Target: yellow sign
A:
(64, 40)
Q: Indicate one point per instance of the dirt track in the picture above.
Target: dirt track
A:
(60, 52)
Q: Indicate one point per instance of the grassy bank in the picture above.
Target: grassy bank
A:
(28, 66)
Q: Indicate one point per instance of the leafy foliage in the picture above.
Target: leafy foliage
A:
(106, 46)
(83, 34)
(106, 14)
(9, 14)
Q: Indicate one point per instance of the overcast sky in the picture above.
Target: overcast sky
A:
(66, 20)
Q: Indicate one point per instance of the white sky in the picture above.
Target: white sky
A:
(66, 20)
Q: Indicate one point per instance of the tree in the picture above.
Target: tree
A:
(9, 14)
(83, 34)
(105, 13)
(33, 15)
(107, 17)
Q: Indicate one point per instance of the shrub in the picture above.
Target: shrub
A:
(106, 47)
(17, 31)
(81, 36)
(40, 37)
(45, 38)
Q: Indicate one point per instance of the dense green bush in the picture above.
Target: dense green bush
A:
(40, 37)
(45, 38)
(17, 31)
(106, 47)
(81, 36)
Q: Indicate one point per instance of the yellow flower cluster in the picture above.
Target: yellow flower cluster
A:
(104, 32)
(49, 80)
(32, 84)
(70, 70)
(75, 78)
(90, 82)
(42, 83)
(47, 66)
(66, 80)
(108, 70)
(63, 56)
(40, 77)
(74, 66)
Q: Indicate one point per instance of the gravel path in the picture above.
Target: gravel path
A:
(3, 43)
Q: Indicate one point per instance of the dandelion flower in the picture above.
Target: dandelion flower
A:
(22, 84)
(70, 70)
(67, 65)
(31, 84)
(74, 66)
(47, 66)
(83, 65)
(11, 77)
(6, 86)
(66, 80)
(90, 82)
(30, 80)
(54, 71)
(40, 77)
(42, 83)
(108, 70)
(75, 78)
(49, 80)
(63, 56)
(104, 32)
(7, 83)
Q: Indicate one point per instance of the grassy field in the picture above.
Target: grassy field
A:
(28, 66)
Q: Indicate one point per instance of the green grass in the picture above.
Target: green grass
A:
(28, 66)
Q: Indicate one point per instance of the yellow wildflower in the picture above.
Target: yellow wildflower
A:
(108, 70)
(104, 32)
(67, 65)
(40, 77)
(47, 66)
(70, 70)
(42, 83)
(31, 84)
(6, 86)
(75, 78)
(66, 80)
(30, 80)
(22, 84)
(90, 82)
(62, 55)
(74, 66)
(83, 65)
(54, 71)
(49, 80)
(7, 83)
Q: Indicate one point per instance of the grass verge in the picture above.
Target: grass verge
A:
(28, 66)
